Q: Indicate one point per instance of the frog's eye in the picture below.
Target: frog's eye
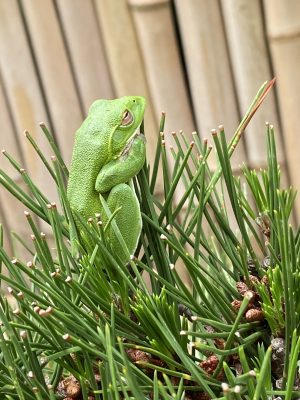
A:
(127, 118)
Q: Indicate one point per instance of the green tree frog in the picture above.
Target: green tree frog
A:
(108, 152)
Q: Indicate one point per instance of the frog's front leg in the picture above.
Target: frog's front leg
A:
(112, 183)
(128, 220)
(124, 168)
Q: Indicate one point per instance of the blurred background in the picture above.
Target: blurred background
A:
(201, 61)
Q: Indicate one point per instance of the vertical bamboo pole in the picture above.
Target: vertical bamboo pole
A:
(84, 43)
(251, 66)
(208, 67)
(283, 26)
(55, 71)
(23, 91)
(158, 42)
(11, 211)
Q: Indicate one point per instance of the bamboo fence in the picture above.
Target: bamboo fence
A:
(201, 61)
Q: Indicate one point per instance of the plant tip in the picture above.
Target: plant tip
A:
(169, 228)
(10, 290)
(67, 337)
(23, 334)
(249, 294)
(214, 132)
(30, 375)
(237, 389)
(224, 387)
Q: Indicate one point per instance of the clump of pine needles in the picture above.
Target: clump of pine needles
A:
(91, 328)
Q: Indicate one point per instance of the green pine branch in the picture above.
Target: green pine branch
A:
(92, 326)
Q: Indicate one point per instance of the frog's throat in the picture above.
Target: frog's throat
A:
(129, 142)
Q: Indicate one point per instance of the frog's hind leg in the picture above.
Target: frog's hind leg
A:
(128, 220)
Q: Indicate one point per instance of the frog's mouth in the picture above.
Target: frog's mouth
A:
(130, 141)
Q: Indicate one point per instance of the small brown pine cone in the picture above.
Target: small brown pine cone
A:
(72, 387)
(254, 279)
(242, 288)
(220, 343)
(210, 364)
(157, 361)
(138, 355)
(265, 280)
(236, 304)
(254, 314)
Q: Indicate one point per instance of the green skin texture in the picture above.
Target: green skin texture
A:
(106, 156)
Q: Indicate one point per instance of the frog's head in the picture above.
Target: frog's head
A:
(117, 122)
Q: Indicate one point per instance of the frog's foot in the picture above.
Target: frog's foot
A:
(128, 220)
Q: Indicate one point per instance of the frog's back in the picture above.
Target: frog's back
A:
(89, 155)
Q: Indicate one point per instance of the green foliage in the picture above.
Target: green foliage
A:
(229, 330)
